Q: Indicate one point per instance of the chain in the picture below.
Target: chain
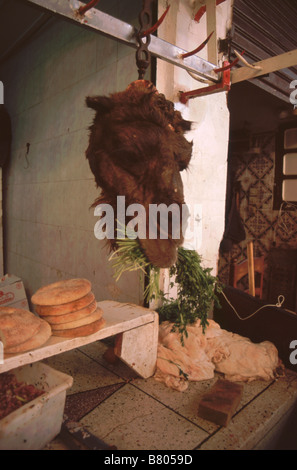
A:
(143, 56)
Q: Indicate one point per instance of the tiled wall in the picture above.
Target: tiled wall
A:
(48, 226)
(267, 228)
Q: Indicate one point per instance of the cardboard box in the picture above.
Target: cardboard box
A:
(12, 292)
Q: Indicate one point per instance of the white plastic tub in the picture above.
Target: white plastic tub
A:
(36, 423)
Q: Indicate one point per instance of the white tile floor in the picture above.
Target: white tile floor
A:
(132, 413)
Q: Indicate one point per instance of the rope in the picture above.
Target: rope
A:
(280, 301)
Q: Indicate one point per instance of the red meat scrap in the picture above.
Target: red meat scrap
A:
(14, 394)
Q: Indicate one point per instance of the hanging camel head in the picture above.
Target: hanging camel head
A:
(137, 149)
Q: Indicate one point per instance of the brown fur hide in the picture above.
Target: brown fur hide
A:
(137, 149)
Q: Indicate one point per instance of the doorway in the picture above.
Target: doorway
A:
(255, 119)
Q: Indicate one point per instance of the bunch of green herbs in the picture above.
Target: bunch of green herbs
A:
(197, 289)
(129, 257)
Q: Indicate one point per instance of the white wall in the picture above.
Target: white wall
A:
(205, 180)
(48, 227)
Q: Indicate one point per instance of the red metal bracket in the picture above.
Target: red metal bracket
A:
(223, 85)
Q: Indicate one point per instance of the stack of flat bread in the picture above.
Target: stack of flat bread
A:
(21, 330)
(69, 306)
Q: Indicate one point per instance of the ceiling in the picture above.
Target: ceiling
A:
(18, 22)
(264, 29)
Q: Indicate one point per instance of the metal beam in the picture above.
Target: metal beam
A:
(273, 64)
(123, 32)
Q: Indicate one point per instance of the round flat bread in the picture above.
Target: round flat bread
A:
(40, 338)
(84, 330)
(73, 316)
(62, 292)
(63, 309)
(86, 320)
(17, 325)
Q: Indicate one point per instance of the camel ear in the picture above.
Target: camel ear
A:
(102, 104)
(186, 125)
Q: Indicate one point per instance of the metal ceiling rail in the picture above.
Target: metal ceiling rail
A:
(125, 33)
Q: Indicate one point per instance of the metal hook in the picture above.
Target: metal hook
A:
(195, 77)
(246, 63)
(202, 45)
(155, 26)
(83, 9)
(229, 66)
(26, 156)
(202, 10)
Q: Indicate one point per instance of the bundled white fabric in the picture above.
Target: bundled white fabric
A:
(217, 350)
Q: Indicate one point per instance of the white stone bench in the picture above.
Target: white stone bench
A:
(138, 327)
